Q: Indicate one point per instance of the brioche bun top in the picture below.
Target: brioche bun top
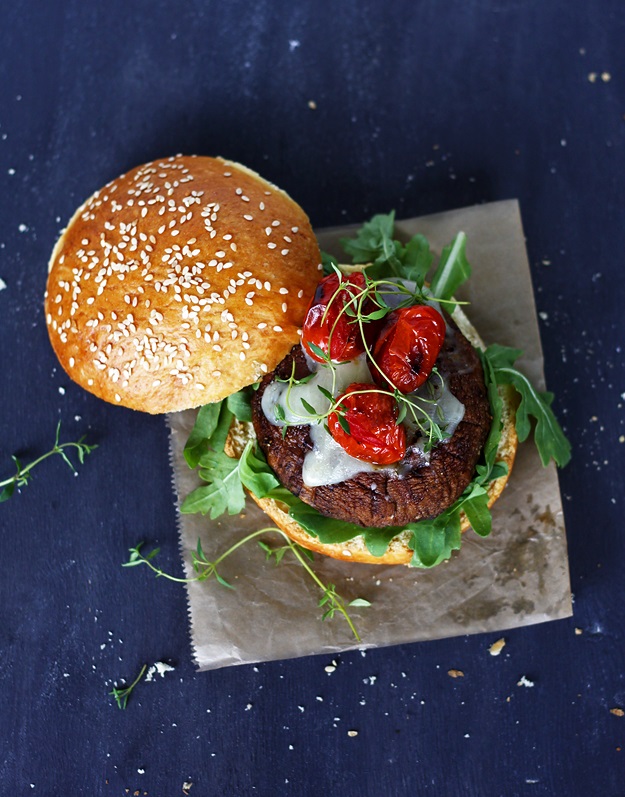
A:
(179, 283)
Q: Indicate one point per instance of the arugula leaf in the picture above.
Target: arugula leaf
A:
(255, 474)
(434, 540)
(453, 269)
(475, 506)
(373, 239)
(549, 438)
(240, 405)
(329, 263)
(224, 491)
(205, 424)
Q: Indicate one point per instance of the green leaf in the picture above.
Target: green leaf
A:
(434, 540)
(7, 492)
(372, 240)
(416, 259)
(224, 491)
(255, 474)
(308, 407)
(475, 506)
(549, 438)
(318, 351)
(205, 425)
(240, 406)
(329, 263)
(453, 269)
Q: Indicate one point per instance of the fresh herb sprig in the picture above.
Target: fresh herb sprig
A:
(23, 474)
(205, 569)
(122, 693)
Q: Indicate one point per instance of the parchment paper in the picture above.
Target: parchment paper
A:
(516, 577)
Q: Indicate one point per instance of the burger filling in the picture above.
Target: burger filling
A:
(379, 416)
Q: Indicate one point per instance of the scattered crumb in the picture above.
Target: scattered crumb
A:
(622, 438)
(524, 681)
(312, 105)
(62, 391)
(186, 786)
(606, 77)
(496, 648)
(618, 712)
(293, 45)
(578, 632)
(158, 668)
(455, 673)
(592, 77)
(23, 228)
(141, 771)
(3, 285)
(352, 733)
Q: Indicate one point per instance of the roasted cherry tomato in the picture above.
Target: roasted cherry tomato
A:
(374, 434)
(407, 347)
(346, 342)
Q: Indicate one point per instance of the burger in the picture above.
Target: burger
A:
(358, 407)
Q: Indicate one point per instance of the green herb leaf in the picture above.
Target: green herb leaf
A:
(205, 425)
(329, 263)
(434, 540)
(255, 474)
(122, 693)
(453, 269)
(240, 406)
(224, 491)
(373, 239)
(549, 438)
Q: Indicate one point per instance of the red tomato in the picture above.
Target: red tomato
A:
(407, 347)
(374, 435)
(346, 342)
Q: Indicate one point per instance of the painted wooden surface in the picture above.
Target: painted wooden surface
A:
(354, 108)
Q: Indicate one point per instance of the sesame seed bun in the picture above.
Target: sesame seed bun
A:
(179, 283)
(398, 551)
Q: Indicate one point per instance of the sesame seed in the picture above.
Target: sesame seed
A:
(284, 252)
(71, 362)
(271, 245)
(275, 223)
(283, 290)
(241, 355)
(294, 229)
(117, 397)
(277, 328)
(284, 307)
(216, 374)
(262, 325)
(247, 217)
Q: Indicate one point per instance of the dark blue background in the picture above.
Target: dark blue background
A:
(420, 106)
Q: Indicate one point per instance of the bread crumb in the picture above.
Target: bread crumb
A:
(455, 673)
(592, 77)
(312, 105)
(496, 648)
(618, 712)
(578, 632)
(524, 681)
(606, 77)
(352, 733)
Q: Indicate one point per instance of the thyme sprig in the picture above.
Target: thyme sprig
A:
(23, 474)
(374, 291)
(205, 569)
(122, 693)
